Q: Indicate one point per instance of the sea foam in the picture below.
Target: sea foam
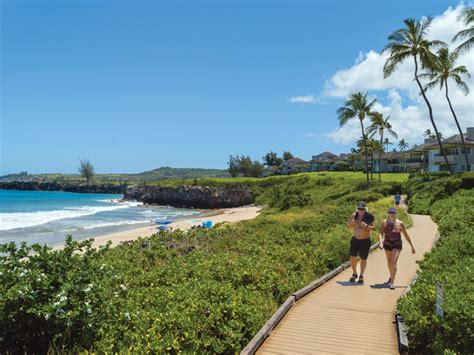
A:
(15, 220)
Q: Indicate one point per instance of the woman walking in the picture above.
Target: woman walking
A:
(390, 238)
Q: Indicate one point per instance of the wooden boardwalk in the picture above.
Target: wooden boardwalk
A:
(346, 318)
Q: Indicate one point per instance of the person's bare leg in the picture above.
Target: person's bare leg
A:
(363, 265)
(388, 254)
(354, 264)
(395, 255)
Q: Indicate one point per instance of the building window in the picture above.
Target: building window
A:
(468, 150)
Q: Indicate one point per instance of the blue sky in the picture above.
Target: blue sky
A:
(134, 85)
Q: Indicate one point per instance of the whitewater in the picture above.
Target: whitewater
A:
(47, 217)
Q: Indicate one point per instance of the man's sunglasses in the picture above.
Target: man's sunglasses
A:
(392, 212)
(361, 208)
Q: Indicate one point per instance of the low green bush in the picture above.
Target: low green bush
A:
(202, 291)
(450, 263)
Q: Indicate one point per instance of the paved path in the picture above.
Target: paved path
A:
(345, 318)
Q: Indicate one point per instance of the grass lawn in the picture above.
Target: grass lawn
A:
(386, 177)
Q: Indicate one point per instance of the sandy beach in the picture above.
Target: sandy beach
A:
(218, 216)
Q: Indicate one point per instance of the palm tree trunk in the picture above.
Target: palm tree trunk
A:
(468, 166)
(372, 167)
(365, 148)
(441, 149)
(380, 157)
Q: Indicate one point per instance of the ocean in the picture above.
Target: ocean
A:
(47, 217)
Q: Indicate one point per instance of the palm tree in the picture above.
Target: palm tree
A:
(386, 143)
(380, 125)
(369, 146)
(411, 42)
(357, 106)
(445, 68)
(402, 144)
(468, 16)
(429, 134)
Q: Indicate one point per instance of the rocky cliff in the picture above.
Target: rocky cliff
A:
(62, 186)
(187, 196)
(191, 196)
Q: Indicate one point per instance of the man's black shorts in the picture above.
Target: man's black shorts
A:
(360, 247)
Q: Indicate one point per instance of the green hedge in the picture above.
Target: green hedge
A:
(197, 291)
(450, 263)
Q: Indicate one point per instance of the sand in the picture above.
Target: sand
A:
(217, 216)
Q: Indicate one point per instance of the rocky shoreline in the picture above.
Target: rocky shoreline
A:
(184, 196)
(63, 186)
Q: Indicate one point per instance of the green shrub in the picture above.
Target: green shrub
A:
(202, 291)
(450, 263)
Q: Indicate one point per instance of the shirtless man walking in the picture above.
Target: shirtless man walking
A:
(362, 224)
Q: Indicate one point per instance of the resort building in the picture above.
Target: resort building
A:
(422, 158)
(426, 157)
(323, 162)
(294, 165)
(454, 153)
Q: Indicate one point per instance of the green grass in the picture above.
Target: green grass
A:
(163, 178)
(386, 177)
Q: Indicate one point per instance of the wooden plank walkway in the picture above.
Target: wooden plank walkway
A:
(347, 318)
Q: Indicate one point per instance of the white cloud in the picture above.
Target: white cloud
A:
(408, 118)
(306, 99)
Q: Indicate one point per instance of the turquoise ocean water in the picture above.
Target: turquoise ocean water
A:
(47, 217)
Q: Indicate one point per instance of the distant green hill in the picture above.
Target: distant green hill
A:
(162, 173)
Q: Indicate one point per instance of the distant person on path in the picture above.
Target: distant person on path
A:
(397, 198)
(362, 224)
(390, 240)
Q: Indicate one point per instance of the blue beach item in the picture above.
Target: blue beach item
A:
(162, 221)
(207, 224)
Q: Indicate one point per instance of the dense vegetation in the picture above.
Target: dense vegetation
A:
(203, 291)
(151, 175)
(450, 201)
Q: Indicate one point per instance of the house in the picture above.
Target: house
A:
(454, 153)
(409, 161)
(294, 165)
(323, 162)
(426, 156)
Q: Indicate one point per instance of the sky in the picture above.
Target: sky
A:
(135, 85)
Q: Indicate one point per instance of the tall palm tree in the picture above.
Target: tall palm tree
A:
(468, 16)
(357, 106)
(380, 126)
(445, 68)
(411, 42)
(402, 144)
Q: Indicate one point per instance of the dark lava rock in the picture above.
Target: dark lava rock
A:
(191, 196)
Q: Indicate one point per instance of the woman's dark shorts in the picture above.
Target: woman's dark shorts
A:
(360, 247)
(396, 244)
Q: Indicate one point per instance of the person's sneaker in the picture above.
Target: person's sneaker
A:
(353, 278)
(361, 280)
(392, 286)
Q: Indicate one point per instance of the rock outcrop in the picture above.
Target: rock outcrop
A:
(187, 196)
(63, 186)
(191, 196)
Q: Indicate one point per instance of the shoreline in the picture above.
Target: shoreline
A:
(228, 215)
